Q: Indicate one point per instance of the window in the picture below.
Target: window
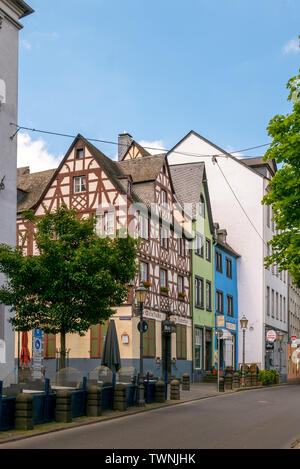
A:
(228, 268)
(163, 278)
(268, 215)
(199, 245)
(219, 302)
(268, 301)
(79, 184)
(199, 292)
(164, 238)
(180, 245)
(280, 307)
(277, 306)
(181, 342)
(143, 226)
(98, 333)
(208, 295)
(50, 346)
(149, 349)
(219, 262)
(198, 348)
(284, 312)
(208, 250)
(79, 154)
(143, 272)
(164, 198)
(109, 223)
(230, 306)
(202, 206)
(273, 304)
(180, 284)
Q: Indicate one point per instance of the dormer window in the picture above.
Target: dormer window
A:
(79, 154)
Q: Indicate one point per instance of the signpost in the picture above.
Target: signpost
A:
(37, 353)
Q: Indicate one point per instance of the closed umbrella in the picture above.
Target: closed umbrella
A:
(111, 353)
(25, 354)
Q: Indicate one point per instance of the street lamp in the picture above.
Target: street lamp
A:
(280, 336)
(244, 324)
(141, 295)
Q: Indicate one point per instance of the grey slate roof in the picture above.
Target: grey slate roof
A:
(187, 180)
(33, 186)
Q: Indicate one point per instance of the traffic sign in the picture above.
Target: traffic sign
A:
(271, 336)
(145, 326)
(293, 337)
(37, 344)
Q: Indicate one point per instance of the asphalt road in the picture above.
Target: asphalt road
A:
(266, 418)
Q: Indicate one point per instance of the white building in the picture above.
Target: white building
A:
(236, 188)
(11, 11)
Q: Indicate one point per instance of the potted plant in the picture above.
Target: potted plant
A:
(181, 295)
(164, 290)
(146, 284)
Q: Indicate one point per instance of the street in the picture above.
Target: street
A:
(262, 419)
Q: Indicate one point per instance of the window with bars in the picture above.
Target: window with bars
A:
(50, 346)
(208, 250)
(143, 272)
(181, 342)
(219, 262)
(149, 347)
(230, 306)
(164, 237)
(219, 302)
(199, 245)
(143, 226)
(97, 337)
(199, 292)
(228, 268)
(208, 295)
(79, 184)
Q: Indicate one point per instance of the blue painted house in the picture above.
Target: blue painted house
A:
(226, 299)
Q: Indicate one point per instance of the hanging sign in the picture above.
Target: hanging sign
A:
(271, 336)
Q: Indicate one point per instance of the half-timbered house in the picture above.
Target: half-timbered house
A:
(135, 192)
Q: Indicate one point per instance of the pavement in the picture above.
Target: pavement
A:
(201, 392)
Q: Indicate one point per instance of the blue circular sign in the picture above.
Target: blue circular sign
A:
(37, 344)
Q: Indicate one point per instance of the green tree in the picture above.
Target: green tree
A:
(284, 194)
(74, 282)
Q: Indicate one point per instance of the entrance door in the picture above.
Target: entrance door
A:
(208, 349)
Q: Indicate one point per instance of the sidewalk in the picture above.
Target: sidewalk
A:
(197, 391)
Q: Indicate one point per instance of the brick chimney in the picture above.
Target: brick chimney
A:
(124, 142)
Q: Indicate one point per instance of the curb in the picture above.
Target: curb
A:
(128, 414)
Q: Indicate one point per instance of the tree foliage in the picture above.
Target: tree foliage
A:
(74, 282)
(284, 194)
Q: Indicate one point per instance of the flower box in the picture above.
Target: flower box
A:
(146, 284)
(164, 290)
(181, 295)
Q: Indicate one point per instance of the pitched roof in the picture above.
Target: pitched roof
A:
(187, 180)
(26, 9)
(143, 169)
(33, 185)
(257, 162)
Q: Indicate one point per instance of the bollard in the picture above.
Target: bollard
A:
(120, 397)
(228, 382)
(175, 390)
(236, 381)
(63, 407)
(24, 412)
(221, 385)
(93, 407)
(186, 382)
(159, 394)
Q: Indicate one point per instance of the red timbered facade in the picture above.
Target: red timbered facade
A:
(136, 192)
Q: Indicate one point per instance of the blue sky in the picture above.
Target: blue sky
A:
(156, 69)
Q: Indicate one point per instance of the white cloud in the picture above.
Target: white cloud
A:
(34, 153)
(26, 45)
(236, 154)
(291, 47)
(151, 146)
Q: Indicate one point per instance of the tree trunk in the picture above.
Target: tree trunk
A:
(62, 350)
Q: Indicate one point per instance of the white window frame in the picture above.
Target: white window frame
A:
(79, 184)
